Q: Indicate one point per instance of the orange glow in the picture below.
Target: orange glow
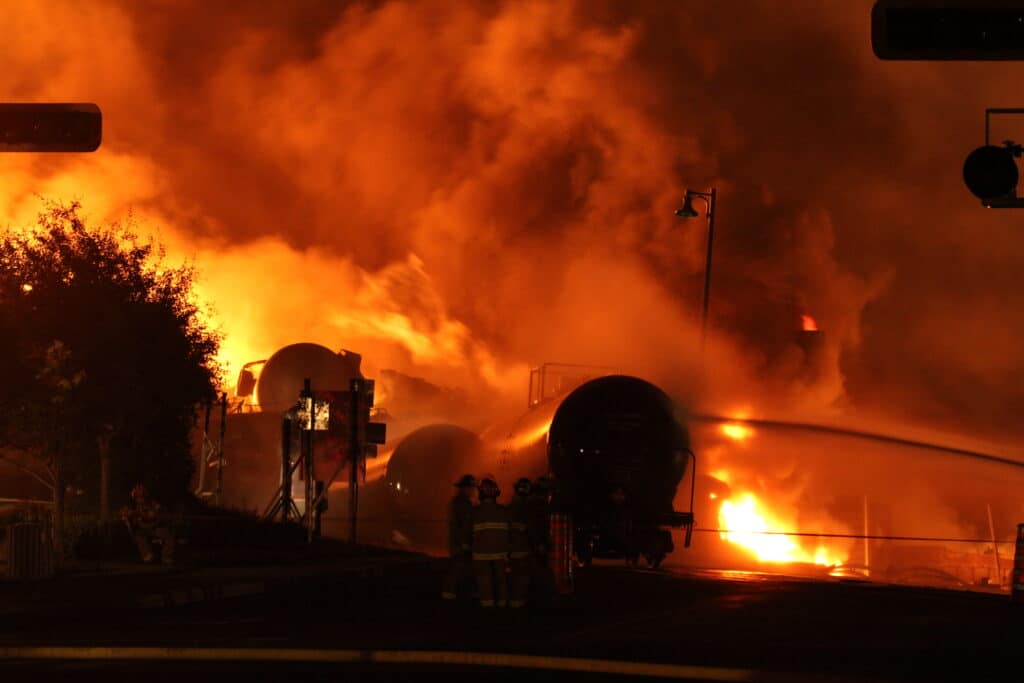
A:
(809, 323)
(525, 439)
(722, 476)
(368, 311)
(737, 432)
(376, 468)
(26, 287)
(745, 519)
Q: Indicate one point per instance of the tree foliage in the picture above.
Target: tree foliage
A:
(101, 341)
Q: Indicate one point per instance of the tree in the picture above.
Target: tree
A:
(105, 359)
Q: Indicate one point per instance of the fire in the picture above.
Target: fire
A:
(395, 314)
(737, 432)
(745, 520)
(809, 323)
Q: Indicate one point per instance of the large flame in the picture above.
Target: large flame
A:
(748, 523)
(736, 431)
(395, 316)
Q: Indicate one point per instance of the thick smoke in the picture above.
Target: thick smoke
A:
(460, 190)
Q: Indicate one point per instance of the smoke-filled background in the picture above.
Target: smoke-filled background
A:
(462, 190)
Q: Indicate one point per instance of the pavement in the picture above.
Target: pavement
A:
(133, 585)
(385, 618)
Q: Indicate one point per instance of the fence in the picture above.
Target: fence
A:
(901, 558)
(29, 551)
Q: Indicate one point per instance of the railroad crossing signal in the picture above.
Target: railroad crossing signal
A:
(347, 437)
(361, 436)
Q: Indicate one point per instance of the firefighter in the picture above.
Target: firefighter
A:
(540, 536)
(490, 545)
(460, 534)
(145, 523)
(520, 543)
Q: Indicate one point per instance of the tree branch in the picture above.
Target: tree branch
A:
(35, 475)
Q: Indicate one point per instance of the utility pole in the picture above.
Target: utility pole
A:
(867, 554)
(355, 444)
(687, 211)
(286, 472)
(995, 545)
(310, 445)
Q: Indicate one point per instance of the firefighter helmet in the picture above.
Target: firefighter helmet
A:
(523, 487)
(466, 480)
(488, 488)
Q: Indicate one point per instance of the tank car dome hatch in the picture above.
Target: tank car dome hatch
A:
(426, 464)
(282, 377)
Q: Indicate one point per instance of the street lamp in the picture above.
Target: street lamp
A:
(687, 211)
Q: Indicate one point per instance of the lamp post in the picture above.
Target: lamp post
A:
(689, 212)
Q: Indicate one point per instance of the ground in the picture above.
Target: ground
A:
(771, 627)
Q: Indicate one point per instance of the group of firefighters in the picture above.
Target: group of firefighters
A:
(504, 548)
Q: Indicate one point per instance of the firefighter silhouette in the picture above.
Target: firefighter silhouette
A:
(490, 545)
(460, 536)
(147, 523)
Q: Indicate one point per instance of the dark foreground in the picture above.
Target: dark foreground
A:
(740, 626)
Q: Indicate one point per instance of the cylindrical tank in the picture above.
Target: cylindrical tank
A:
(282, 376)
(421, 475)
(619, 431)
(424, 467)
(614, 431)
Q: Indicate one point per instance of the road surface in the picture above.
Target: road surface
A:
(756, 626)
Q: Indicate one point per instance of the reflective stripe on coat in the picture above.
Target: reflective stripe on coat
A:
(490, 531)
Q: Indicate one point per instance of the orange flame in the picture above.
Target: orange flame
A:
(809, 323)
(745, 521)
(736, 431)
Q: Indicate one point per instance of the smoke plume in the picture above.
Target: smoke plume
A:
(461, 190)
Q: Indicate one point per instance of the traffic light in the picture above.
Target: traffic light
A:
(990, 172)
